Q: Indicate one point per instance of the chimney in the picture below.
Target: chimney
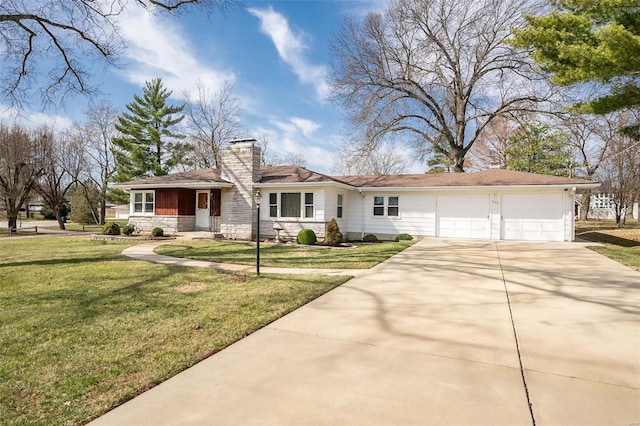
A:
(240, 165)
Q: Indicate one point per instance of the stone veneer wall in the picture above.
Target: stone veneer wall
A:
(240, 166)
(169, 224)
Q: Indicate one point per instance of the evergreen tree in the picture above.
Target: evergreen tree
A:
(148, 141)
(590, 41)
(535, 148)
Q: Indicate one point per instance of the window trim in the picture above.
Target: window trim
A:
(303, 205)
(339, 205)
(385, 207)
(143, 202)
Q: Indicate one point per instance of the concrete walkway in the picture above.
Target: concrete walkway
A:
(146, 252)
(444, 333)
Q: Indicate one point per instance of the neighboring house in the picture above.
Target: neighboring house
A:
(493, 204)
(602, 206)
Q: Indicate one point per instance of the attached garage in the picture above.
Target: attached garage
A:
(463, 216)
(533, 217)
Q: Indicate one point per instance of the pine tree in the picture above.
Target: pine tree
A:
(536, 148)
(145, 147)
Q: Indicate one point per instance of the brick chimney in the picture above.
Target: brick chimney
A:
(240, 165)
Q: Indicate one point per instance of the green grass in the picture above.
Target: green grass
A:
(92, 228)
(620, 244)
(83, 329)
(363, 256)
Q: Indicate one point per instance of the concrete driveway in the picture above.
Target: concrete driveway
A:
(446, 332)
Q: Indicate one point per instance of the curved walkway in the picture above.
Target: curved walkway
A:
(146, 252)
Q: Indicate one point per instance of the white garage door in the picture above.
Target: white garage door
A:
(532, 217)
(463, 216)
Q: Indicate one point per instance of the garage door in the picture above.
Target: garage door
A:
(463, 216)
(532, 217)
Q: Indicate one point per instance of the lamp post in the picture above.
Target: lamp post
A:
(258, 199)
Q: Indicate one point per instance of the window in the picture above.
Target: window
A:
(273, 204)
(392, 208)
(290, 204)
(308, 204)
(203, 200)
(339, 211)
(389, 204)
(378, 206)
(143, 202)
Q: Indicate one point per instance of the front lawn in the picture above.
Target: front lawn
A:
(364, 256)
(620, 244)
(83, 329)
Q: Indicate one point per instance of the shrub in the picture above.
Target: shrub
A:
(157, 232)
(369, 238)
(306, 236)
(111, 228)
(404, 237)
(333, 236)
(128, 229)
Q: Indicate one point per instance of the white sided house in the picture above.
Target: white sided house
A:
(493, 204)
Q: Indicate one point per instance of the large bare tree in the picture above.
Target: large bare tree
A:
(213, 119)
(97, 132)
(63, 165)
(620, 168)
(352, 159)
(439, 70)
(64, 36)
(21, 165)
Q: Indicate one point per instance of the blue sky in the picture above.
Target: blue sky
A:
(275, 53)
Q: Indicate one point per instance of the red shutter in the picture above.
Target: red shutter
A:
(216, 197)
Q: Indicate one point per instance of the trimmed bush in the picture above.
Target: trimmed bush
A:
(128, 229)
(111, 228)
(404, 237)
(157, 232)
(307, 237)
(333, 236)
(369, 238)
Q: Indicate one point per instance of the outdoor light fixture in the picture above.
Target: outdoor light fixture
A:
(258, 200)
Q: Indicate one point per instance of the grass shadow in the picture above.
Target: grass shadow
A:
(599, 237)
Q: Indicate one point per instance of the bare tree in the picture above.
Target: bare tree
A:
(97, 133)
(64, 35)
(213, 119)
(63, 164)
(21, 165)
(383, 160)
(490, 149)
(590, 138)
(439, 70)
(620, 169)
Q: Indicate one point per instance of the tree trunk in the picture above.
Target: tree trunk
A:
(457, 162)
(59, 219)
(12, 222)
(586, 204)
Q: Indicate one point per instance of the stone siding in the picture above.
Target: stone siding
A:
(169, 224)
(240, 166)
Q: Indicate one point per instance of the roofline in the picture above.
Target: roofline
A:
(294, 184)
(469, 187)
(188, 185)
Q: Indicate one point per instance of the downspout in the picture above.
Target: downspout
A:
(362, 222)
(572, 202)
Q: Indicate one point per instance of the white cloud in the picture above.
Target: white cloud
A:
(291, 48)
(306, 126)
(31, 119)
(288, 137)
(159, 48)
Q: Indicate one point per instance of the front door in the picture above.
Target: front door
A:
(202, 209)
